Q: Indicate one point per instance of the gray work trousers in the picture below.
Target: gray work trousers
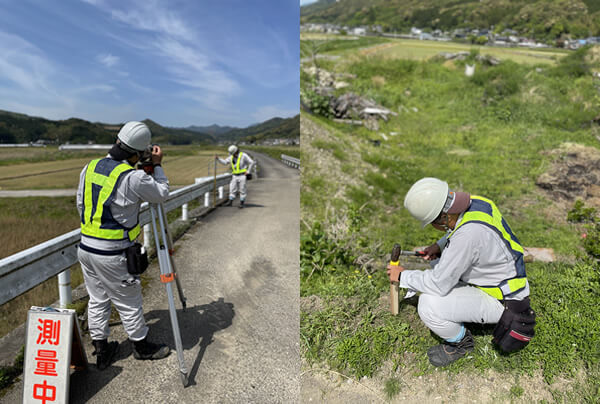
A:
(107, 281)
(237, 181)
(445, 315)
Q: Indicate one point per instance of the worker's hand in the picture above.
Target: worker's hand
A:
(157, 154)
(393, 272)
(432, 252)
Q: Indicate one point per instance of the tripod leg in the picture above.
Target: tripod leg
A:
(171, 250)
(166, 277)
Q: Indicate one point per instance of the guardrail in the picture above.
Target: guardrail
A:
(290, 161)
(26, 269)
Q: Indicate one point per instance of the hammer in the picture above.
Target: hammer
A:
(396, 252)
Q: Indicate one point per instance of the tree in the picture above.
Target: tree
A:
(481, 40)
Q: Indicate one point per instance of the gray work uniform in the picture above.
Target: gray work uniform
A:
(238, 182)
(474, 255)
(106, 277)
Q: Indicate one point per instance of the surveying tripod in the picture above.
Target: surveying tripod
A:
(164, 251)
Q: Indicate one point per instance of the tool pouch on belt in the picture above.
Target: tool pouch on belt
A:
(137, 262)
(248, 177)
(516, 326)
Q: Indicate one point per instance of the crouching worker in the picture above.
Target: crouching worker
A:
(108, 200)
(479, 277)
(241, 169)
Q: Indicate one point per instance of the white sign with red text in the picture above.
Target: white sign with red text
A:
(46, 370)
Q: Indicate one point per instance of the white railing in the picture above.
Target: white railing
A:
(26, 269)
(290, 161)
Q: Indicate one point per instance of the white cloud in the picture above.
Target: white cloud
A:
(176, 44)
(107, 59)
(95, 88)
(23, 64)
(191, 68)
(267, 112)
(152, 16)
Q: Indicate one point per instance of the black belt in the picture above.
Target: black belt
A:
(240, 174)
(101, 252)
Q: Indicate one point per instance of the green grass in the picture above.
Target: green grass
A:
(9, 373)
(489, 135)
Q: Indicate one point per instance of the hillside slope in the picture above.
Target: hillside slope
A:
(542, 19)
(524, 136)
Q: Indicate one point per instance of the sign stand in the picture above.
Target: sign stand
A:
(53, 346)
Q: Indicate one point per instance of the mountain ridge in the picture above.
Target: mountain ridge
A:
(21, 128)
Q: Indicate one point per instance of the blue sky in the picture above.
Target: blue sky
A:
(179, 63)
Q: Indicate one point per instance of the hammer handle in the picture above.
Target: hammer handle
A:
(394, 303)
(414, 253)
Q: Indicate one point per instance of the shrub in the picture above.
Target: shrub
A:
(573, 65)
(318, 104)
(580, 213)
(499, 81)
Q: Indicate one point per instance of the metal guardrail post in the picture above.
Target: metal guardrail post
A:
(206, 200)
(64, 288)
(221, 192)
(184, 212)
(147, 236)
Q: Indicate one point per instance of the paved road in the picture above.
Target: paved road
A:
(240, 273)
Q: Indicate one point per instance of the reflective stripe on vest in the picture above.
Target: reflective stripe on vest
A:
(235, 169)
(484, 211)
(102, 178)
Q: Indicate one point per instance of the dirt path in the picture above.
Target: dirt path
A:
(319, 384)
(239, 271)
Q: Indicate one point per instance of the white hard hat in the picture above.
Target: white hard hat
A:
(135, 135)
(426, 198)
(232, 149)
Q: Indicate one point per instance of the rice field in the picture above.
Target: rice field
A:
(419, 50)
(181, 165)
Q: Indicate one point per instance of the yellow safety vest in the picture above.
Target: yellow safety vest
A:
(484, 211)
(100, 185)
(235, 167)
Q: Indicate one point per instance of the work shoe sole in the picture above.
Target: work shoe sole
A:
(162, 352)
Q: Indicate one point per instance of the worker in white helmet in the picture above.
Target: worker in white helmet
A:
(109, 196)
(478, 276)
(241, 168)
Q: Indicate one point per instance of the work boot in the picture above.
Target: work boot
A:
(228, 203)
(104, 352)
(148, 350)
(241, 205)
(446, 353)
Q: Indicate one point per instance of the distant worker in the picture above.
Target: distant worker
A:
(108, 200)
(241, 168)
(479, 278)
